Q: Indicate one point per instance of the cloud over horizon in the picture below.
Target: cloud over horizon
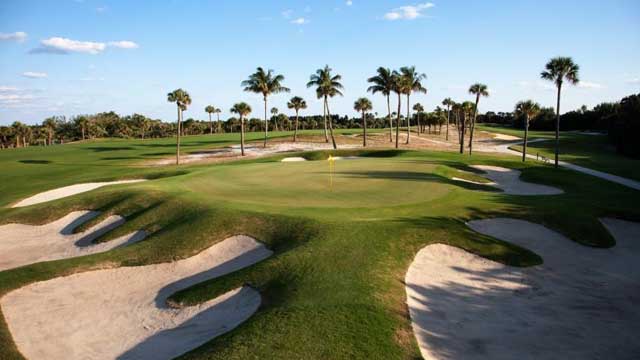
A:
(35, 75)
(60, 45)
(18, 36)
(408, 12)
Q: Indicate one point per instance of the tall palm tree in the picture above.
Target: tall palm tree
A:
(210, 109)
(182, 100)
(397, 88)
(411, 81)
(419, 109)
(558, 70)
(447, 102)
(327, 85)
(478, 90)
(265, 83)
(297, 103)
(383, 83)
(466, 108)
(242, 109)
(528, 109)
(363, 105)
(218, 111)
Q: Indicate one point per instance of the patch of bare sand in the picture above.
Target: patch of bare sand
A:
(122, 313)
(27, 244)
(63, 192)
(509, 181)
(580, 304)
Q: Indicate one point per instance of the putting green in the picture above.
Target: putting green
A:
(365, 182)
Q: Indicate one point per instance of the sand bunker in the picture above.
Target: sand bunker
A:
(293, 159)
(122, 313)
(580, 304)
(27, 244)
(63, 192)
(509, 181)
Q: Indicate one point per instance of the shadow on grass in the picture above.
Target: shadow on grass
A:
(38, 162)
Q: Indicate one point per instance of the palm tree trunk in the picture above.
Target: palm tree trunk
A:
(333, 139)
(390, 121)
(178, 137)
(266, 123)
(558, 126)
(473, 123)
(241, 135)
(408, 120)
(324, 116)
(364, 124)
(398, 121)
(295, 133)
(462, 126)
(210, 125)
(82, 130)
(219, 128)
(526, 133)
(448, 114)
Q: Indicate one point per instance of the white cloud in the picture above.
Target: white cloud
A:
(589, 85)
(18, 36)
(408, 12)
(7, 89)
(633, 81)
(34, 75)
(349, 2)
(300, 21)
(287, 13)
(125, 44)
(60, 45)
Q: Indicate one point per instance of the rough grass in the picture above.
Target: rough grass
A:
(334, 287)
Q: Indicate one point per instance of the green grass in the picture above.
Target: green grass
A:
(334, 287)
(594, 152)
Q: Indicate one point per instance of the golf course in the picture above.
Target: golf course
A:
(340, 238)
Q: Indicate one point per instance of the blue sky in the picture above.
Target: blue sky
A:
(68, 57)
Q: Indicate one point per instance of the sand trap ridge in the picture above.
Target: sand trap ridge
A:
(580, 304)
(509, 181)
(63, 192)
(293, 159)
(122, 313)
(27, 244)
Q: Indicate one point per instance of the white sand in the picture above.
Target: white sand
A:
(63, 192)
(509, 181)
(505, 137)
(474, 182)
(122, 313)
(293, 159)
(27, 244)
(580, 304)
(347, 157)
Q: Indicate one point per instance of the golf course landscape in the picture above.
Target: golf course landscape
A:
(319, 180)
(342, 238)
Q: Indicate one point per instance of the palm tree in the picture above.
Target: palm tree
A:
(419, 109)
(466, 108)
(210, 109)
(296, 103)
(557, 70)
(274, 112)
(218, 111)
(50, 125)
(363, 105)
(242, 109)
(327, 86)
(384, 83)
(182, 100)
(397, 88)
(528, 109)
(478, 90)
(447, 102)
(265, 83)
(411, 81)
